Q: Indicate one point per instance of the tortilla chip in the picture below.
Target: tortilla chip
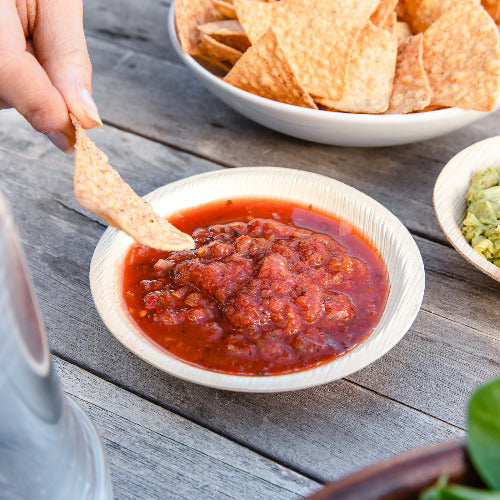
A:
(229, 32)
(402, 31)
(400, 10)
(264, 70)
(188, 15)
(369, 74)
(429, 11)
(219, 51)
(316, 34)
(383, 12)
(462, 58)
(493, 9)
(411, 91)
(225, 8)
(431, 107)
(391, 23)
(99, 188)
(215, 67)
(256, 17)
(407, 9)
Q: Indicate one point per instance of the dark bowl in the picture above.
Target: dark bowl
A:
(405, 476)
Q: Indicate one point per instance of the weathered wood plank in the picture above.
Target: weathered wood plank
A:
(327, 431)
(435, 368)
(154, 453)
(458, 291)
(139, 26)
(162, 100)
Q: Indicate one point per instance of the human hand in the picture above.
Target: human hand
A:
(45, 70)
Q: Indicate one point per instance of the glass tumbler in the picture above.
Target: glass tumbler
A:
(49, 449)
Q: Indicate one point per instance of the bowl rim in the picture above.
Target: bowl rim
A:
(442, 206)
(317, 114)
(106, 272)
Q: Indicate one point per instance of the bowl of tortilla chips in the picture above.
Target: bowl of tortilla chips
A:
(350, 72)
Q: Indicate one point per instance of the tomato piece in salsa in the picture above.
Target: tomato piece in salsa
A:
(271, 288)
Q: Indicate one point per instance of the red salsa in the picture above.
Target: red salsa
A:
(271, 288)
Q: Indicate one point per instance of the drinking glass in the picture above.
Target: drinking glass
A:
(49, 449)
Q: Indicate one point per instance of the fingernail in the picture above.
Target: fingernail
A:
(60, 141)
(89, 106)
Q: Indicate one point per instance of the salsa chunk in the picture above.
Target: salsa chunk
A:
(270, 288)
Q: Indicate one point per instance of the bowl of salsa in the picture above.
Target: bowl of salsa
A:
(296, 280)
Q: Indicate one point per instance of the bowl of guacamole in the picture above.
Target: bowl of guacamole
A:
(481, 226)
(467, 204)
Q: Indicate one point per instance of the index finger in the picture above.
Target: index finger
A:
(25, 85)
(61, 48)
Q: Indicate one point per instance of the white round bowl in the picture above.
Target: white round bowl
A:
(449, 197)
(327, 127)
(388, 235)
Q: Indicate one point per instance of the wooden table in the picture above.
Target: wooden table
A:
(166, 438)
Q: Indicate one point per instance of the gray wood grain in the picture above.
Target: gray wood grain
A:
(154, 453)
(396, 404)
(162, 100)
(435, 368)
(139, 26)
(458, 291)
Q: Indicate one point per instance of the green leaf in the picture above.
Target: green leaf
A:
(456, 492)
(434, 492)
(430, 494)
(441, 491)
(483, 441)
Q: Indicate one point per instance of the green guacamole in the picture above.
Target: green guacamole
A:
(481, 226)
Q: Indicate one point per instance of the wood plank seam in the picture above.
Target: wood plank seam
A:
(420, 234)
(176, 147)
(491, 284)
(482, 332)
(384, 396)
(83, 213)
(134, 51)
